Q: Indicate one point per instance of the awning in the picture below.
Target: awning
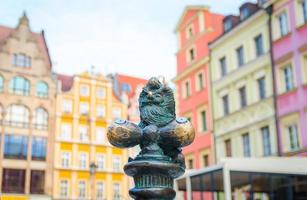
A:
(275, 176)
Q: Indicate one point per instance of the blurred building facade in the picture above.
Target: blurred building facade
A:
(243, 103)
(85, 107)
(27, 104)
(128, 89)
(289, 51)
(196, 28)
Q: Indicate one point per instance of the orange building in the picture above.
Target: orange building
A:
(196, 28)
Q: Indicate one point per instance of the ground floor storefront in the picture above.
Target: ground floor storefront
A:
(247, 179)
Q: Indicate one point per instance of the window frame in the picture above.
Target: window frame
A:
(246, 145)
(42, 94)
(240, 56)
(266, 141)
(259, 46)
(223, 66)
(19, 86)
(261, 84)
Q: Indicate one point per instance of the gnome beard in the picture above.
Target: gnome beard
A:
(156, 115)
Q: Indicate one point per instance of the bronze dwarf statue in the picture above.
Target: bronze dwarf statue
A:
(160, 136)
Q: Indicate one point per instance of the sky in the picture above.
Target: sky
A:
(133, 37)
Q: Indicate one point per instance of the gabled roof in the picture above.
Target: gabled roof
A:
(134, 82)
(186, 10)
(66, 82)
(6, 32)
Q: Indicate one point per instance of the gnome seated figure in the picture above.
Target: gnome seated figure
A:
(160, 136)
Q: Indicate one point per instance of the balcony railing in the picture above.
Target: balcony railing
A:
(24, 125)
(17, 124)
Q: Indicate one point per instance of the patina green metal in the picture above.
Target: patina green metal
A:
(160, 136)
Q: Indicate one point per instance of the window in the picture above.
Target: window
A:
(225, 105)
(288, 78)
(67, 106)
(203, 117)
(205, 160)
(261, 88)
(283, 24)
(81, 188)
(242, 93)
(259, 45)
(228, 148)
(116, 164)
(39, 145)
(240, 56)
(41, 119)
(1, 83)
(266, 142)
(223, 66)
(245, 13)
(126, 87)
(42, 89)
(303, 5)
(100, 135)
(227, 25)
(191, 54)
(116, 191)
(18, 115)
(117, 113)
(187, 91)
(21, 60)
(190, 163)
(64, 190)
(37, 183)
(82, 161)
(100, 162)
(83, 134)
(99, 190)
(13, 181)
(15, 147)
(200, 81)
(293, 137)
(19, 86)
(246, 145)
(189, 31)
(101, 111)
(84, 90)
(101, 94)
(65, 159)
(84, 108)
(65, 132)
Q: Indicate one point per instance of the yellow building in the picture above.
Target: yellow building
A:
(85, 107)
(244, 123)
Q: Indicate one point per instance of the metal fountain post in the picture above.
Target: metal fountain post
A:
(160, 136)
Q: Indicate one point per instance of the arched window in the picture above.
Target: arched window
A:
(42, 89)
(1, 83)
(41, 119)
(19, 86)
(17, 115)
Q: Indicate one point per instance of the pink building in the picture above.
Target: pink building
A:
(289, 35)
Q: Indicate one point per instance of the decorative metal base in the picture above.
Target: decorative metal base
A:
(153, 178)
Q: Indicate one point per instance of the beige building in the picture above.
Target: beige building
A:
(27, 105)
(86, 106)
(244, 123)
